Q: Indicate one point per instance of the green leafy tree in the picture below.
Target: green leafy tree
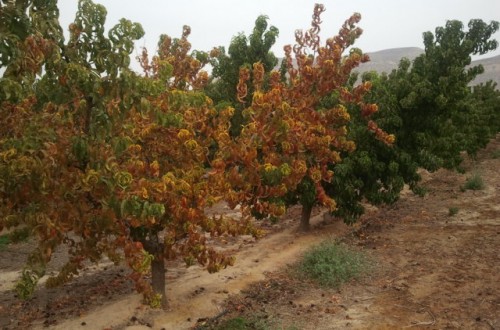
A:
(487, 97)
(432, 111)
(243, 52)
(374, 172)
(438, 119)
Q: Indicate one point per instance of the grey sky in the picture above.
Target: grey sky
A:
(386, 23)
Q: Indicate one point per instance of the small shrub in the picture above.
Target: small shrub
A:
(4, 241)
(27, 284)
(19, 235)
(244, 323)
(331, 264)
(496, 154)
(237, 323)
(452, 211)
(475, 182)
(16, 236)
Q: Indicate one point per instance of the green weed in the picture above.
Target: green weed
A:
(20, 235)
(475, 182)
(4, 241)
(496, 154)
(16, 236)
(237, 323)
(244, 323)
(331, 264)
(452, 211)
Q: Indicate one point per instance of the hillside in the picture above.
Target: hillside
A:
(388, 59)
(491, 70)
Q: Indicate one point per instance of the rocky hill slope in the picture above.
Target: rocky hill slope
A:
(388, 59)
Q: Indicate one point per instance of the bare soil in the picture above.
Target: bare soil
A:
(431, 270)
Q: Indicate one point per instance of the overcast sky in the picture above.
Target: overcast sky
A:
(386, 23)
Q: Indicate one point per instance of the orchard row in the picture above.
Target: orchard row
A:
(101, 161)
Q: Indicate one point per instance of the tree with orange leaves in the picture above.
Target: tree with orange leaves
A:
(99, 161)
(283, 154)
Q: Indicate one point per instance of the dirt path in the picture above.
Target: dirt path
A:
(102, 298)
(195, 294)
(432, 271)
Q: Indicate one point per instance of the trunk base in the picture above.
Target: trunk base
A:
(158, 280)
(305, 217)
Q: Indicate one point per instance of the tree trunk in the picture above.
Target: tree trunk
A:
(305, 217)
(158, 270)
(158, 279)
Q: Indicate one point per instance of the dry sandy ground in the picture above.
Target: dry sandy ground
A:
(431, 271)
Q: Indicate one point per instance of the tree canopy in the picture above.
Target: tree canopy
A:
(101, 161)
(283, 153)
